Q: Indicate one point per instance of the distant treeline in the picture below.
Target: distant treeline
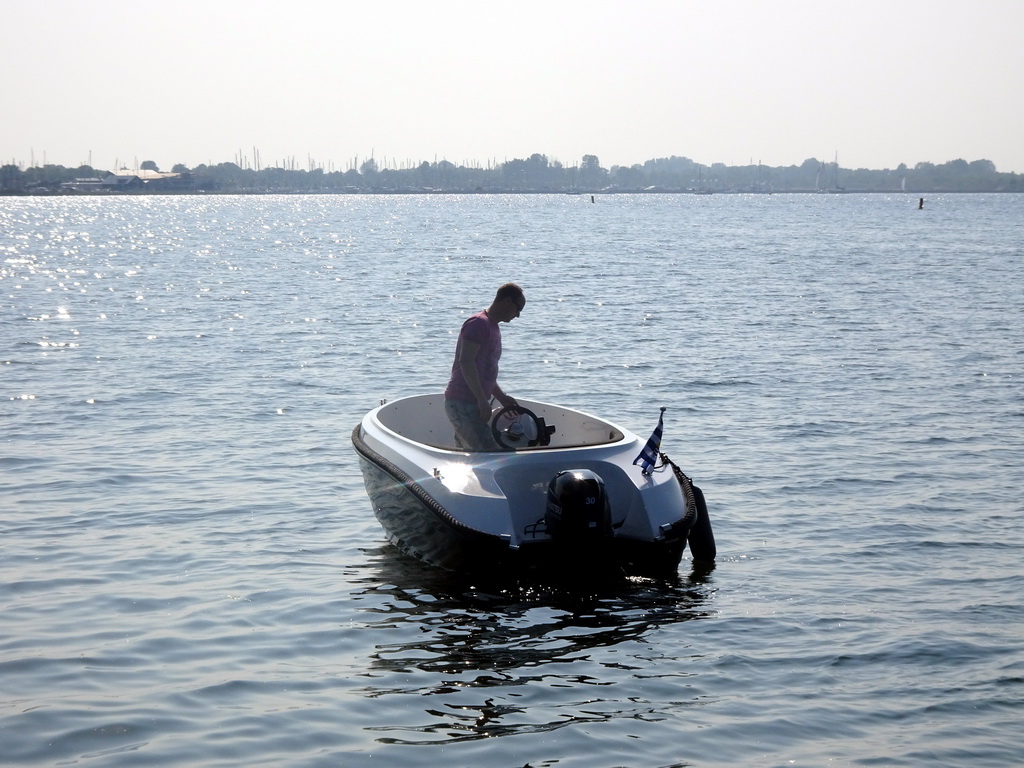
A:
(534, 174)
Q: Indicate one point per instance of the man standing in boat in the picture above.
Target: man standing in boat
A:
(474, 380)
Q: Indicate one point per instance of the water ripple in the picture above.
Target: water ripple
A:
(193, 576)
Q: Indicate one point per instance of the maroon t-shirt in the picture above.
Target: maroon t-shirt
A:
(479, 329)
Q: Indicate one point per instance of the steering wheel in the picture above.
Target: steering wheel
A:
(517, 427)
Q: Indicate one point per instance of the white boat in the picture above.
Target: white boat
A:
(561, 491)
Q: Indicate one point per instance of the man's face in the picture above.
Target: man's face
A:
(512, 307)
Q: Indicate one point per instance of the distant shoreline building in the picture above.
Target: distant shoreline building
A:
(125, 180)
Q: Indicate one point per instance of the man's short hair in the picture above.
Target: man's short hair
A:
(510, 291)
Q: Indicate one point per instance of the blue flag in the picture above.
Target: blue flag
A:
(649, 455)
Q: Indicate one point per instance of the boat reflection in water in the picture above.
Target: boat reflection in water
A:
(471, 651)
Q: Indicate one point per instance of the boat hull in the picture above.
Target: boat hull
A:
(422, 530)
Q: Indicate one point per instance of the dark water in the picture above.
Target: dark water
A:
(190, 572)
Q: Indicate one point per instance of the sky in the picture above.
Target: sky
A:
(871, 83)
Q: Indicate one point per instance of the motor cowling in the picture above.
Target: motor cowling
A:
(577, 507)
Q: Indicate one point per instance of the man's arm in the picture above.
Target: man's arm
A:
(501, 397)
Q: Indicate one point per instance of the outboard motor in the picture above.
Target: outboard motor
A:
(577, 508)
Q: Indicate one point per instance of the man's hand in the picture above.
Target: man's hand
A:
(485, 410)
(506, 401)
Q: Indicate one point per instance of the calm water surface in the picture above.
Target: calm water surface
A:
(191, 574)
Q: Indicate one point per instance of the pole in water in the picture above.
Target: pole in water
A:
(920, 203)
(591, 198)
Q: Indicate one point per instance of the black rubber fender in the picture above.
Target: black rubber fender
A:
(700, 537)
